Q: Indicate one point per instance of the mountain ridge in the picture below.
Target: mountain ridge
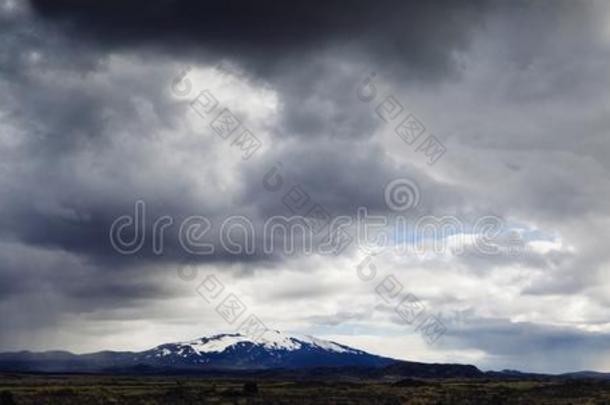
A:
(230, 351)
(272, 354)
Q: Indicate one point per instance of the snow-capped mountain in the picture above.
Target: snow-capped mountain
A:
(233, 351)
(270, 340)
(271, 350)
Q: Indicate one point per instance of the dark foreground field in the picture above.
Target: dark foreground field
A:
(86, 389)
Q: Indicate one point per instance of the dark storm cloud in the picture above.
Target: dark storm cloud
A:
(39, 271)
(531, 346)
(420, 34)
(74, 113)
(294, 46)
(341, 176)
(297, 47)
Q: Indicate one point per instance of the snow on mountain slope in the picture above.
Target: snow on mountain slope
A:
(273, 349)
(272, 339)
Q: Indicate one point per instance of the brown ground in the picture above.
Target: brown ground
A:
(83, 389)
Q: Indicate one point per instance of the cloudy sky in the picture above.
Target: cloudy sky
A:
(110, 103)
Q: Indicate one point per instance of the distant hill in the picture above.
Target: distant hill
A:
(592, 375)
